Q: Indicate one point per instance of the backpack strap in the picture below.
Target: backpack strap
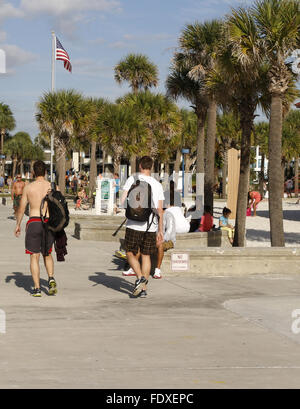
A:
(43, 216)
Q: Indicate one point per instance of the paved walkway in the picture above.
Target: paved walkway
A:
(191, 332)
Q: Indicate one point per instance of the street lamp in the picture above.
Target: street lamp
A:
(184, 152)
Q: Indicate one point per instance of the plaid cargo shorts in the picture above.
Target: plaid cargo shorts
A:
(140, 240)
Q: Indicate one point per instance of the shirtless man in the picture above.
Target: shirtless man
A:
(35, 241)
(16, 193)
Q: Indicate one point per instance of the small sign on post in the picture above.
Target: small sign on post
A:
(180, 262)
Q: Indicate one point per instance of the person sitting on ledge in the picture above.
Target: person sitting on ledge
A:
(207, 220)
(224, 224)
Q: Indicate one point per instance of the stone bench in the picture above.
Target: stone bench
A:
(97, 231)
(235, 261)
(192, 241)
(101, 228)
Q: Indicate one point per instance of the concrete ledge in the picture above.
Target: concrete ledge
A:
(101, 228)
(94, 232)
(238, 261)
(192, 241)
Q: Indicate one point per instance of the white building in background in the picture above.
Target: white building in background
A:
(258, 162)
(81, 160)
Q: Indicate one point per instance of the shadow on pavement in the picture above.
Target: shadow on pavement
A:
(115, 283)
(25, 282)
(293, 215)
(264, 236)
(121, 264)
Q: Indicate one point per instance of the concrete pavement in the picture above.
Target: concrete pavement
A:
(191, 332)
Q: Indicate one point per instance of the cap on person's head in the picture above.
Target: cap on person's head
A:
(146, 163)
(39, 168)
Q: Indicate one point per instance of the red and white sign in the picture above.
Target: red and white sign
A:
(180, 262)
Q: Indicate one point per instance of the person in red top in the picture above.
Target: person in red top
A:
(253, 199)
(207, 220)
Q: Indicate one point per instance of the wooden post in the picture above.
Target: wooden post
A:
(233, 180)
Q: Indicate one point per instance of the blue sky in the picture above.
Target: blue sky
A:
(96, 34)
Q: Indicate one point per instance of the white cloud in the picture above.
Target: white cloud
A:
(7, 10)
(16, 56)
(91, 68)
(120, 45)
(66, 14)
(62, 7)
(3, 36)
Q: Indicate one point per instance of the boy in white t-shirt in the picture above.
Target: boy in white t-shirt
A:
(142, 238)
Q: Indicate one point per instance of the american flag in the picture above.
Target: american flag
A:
(61, 54)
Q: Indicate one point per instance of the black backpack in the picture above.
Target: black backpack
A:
(139, 201)
(58, 210)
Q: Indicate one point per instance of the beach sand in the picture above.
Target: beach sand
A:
(258, 228)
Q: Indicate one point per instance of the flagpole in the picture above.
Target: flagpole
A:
(52, 89)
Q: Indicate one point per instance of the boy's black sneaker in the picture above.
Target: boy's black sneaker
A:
(52, 286)
(36, 292)
(139, 286)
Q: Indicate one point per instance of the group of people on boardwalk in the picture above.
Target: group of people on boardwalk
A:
(154, 217)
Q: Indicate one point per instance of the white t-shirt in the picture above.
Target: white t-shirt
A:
(157, 194)
(182, 224)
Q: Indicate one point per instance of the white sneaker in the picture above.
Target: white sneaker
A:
(129, 273)
(157, 275)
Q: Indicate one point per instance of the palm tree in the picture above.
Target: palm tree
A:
(12, 149)
(200, 42)
(24, 144)
(228, 136)
(141, 74)
(36, 152)
(119, 126)
(66, 114)
(161, 121)
(138, 70)
(240, 92)
(94, 138)
(19, 148)
(279, 26)
(7, 123)
(179, 84)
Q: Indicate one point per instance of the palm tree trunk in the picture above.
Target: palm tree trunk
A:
(21, 167)
(224, 174)
(210, 154)
(133, 164)
(14, 168)
(167, 169)
(262, 175)
(31, 168)
(2, 151)
(61, 168)
(242, 202)
(200, 143)
(93, 168)
(275, 173)
(177, 165)
(188, 163)
(297, 177)
(117, 162)
(103, 161)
